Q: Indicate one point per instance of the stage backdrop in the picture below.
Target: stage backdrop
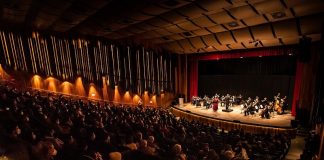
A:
(254, 76)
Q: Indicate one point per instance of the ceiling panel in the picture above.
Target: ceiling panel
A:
(154, 10)
(286, 14)
(162, 32)
(221, 17)
(187, 25)
(216, 29)
(290, 40)
(146, 26)
(271, 42)
(310, 25)
(203, 21)
(214, 6)
(197, 42)
(173, 17)
(186, 45)
(269, 6)
(174, 29)
(176, 37)
(234, 25)
(210, 40)
(157, 22)
(180, 21)
(252, 21)
(243, 12)
(242, 35)
(286, 29)
(201, 32)
(236, 46)
(262, 32)
(309, 8)
(225, 38)
(190, 11)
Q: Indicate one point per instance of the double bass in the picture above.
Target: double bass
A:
(277, 106)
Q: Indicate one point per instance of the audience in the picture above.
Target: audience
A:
(38, 127)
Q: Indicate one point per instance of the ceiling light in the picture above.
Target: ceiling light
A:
(241, 57)
(277, 15)
(233, 24)
(290, 54)
(187, 34)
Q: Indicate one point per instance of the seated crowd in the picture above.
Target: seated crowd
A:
(39, 127)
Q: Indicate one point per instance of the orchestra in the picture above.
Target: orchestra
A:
(264, 108)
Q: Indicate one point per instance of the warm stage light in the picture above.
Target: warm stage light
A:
(37, 82)
(79, 88)
(127, 97)
(93, 92)
(241, 57)
(116, 95)
(51, 85)
(66, 87)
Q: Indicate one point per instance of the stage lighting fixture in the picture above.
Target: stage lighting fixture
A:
(93, 94)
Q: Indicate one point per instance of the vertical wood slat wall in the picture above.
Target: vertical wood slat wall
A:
(131, 67)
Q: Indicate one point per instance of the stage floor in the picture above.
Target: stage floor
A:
(281, 121)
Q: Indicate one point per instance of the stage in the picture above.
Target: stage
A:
(236, 117)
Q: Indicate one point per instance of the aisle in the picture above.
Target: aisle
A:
(296, 148)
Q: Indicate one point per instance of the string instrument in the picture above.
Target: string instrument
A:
(277, 106)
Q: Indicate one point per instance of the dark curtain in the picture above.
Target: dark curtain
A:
(263, 77)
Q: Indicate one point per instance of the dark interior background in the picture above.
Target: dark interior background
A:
(258, 76)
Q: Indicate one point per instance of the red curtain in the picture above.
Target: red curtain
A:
(298, 77)
(193, 77)
(194, 59)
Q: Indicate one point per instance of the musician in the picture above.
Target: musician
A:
(276, 104)
(248, 108)
(264, 102)
(232, 100)
(265, 112)
(239, 99)
(283, 103)
(256, 104)
(215, 103)
(222, 99)
(227, 101)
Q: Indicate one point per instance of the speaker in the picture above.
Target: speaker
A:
(305, 49)
(294, 123)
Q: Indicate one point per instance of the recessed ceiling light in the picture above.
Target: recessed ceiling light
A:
(290, 54)
(187, 34)
(241, 57)
(277, 15)
(233, 24)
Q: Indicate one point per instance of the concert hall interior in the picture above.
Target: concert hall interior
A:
(161, 79)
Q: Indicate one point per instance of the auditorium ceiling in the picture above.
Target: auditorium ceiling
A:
(181, 26)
